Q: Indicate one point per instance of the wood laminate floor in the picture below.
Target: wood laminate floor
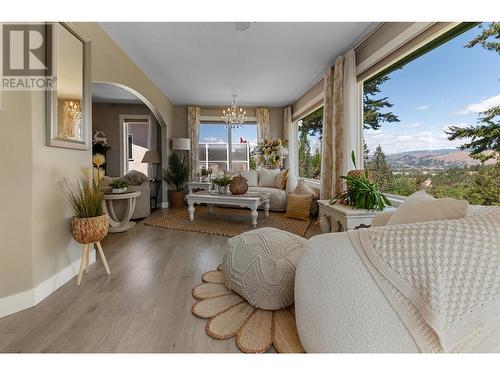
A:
(143, 306)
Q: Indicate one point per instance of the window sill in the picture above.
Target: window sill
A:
(395, 200)
(311, 183)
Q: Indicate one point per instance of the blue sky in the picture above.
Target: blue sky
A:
(447, 86)
(215, 133)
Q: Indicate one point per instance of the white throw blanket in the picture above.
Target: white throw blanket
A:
(442, 278)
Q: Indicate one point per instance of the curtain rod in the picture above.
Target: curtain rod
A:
(368, 35)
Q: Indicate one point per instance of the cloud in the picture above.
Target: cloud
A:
(213, 140)
(395, 143)
(422, 107)
(482, 106)
(414, 125)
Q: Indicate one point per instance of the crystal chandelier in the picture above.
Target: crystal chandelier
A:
(234, 117)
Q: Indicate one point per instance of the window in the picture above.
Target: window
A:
(417, 117)
(310, 130)
(214, 152)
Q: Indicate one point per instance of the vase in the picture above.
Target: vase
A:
(222, 189)
(238, 185)
(89, 229)
(118, 191)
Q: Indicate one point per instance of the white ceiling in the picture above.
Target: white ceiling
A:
(108, 93)
(268, 64)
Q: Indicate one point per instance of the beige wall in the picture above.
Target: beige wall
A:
(35, 241)
(179, 130)
(105, 117)
(15, 193)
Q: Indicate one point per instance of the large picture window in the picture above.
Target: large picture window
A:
(310, 130)
(214, 151)
(432, 123)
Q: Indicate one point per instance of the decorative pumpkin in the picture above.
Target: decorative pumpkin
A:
(238, 185)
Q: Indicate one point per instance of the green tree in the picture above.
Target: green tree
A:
(304, 154)
(485, 135)
(373, 107)
(380, 169)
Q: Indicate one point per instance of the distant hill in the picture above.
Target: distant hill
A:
(443, 158)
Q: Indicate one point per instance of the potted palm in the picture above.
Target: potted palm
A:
(176, 177)
(89, 223)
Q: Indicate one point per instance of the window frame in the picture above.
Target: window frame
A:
(397, 200)
(309, 181)
(229, 160)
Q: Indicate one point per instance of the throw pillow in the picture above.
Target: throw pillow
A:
(134, 178)
(252, 177)
(298, 206)
(282, 179)
(303, 189)
(420, 207)
(268, 177)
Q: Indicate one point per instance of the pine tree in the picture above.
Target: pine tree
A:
(485, 135)
(380, 168)
(373, 115)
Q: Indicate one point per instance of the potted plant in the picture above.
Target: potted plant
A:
(222, 183)
(205, 173)
(89, 224)
(176, 177)
(361, 191)
(118, 186)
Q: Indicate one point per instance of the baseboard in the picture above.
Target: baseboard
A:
(29, 298)
(164, 204)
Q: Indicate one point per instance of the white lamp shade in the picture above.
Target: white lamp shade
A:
(151, 157)
(181, 144)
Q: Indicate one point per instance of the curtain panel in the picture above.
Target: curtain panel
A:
(332, 152)
(263, 124)
(193, 122)
(290, 134)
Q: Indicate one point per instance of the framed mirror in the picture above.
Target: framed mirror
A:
(69, 104)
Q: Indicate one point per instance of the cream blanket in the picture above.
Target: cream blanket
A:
(441, 277)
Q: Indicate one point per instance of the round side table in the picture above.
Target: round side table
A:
(116, 225)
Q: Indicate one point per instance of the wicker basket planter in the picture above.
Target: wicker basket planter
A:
(176, 199)
(90, 230)
(238, 185)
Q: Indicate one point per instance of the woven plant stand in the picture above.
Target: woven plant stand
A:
(90, 232)
(229, 315)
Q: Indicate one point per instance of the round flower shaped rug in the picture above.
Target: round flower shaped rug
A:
(229, 315)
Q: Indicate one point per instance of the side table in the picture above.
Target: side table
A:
(116, 225)
(343, 218)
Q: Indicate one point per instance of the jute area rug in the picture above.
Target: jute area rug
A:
(226, 222)
(229, 315)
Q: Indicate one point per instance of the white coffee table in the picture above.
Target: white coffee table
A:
(117, 225)
(212, 198)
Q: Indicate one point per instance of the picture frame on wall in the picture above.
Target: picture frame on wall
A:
(68, 105)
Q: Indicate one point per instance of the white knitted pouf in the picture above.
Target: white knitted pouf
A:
(260, 264)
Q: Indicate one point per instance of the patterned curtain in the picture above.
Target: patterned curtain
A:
(332, 153)
(263, 124)
(287, 120)
(193, 122)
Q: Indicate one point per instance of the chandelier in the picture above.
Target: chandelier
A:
(234, 117)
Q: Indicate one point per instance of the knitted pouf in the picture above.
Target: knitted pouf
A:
(260, 264)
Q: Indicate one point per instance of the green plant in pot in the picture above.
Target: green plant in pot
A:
(222, 183)
(118, 186)
(361, 191)
(89, 223)
(176, 177)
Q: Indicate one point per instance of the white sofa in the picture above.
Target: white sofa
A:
(278, 199)
(339, 307)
